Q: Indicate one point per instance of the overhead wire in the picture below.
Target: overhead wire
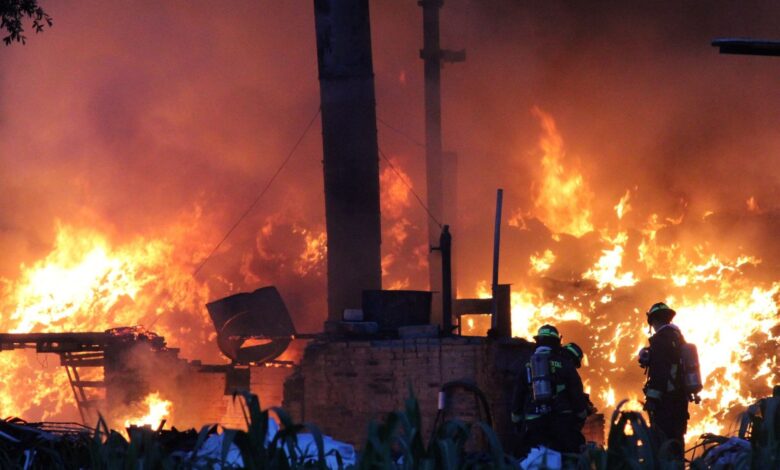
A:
(287, 160)
(262, 193)
(409, 186)
(400, 132)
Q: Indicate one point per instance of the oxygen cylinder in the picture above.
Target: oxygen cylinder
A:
(689, 357)
(541, 384)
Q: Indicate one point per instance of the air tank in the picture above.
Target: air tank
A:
(541, 385)
(689, 357)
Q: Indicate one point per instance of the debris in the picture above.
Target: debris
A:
(729, 454)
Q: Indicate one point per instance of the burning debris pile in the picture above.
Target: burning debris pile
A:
(594, 275)
(572, 262)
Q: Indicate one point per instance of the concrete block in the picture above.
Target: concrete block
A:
(418, 332)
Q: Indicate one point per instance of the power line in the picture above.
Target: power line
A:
(400, 132)
(265, 189)
(409, 186)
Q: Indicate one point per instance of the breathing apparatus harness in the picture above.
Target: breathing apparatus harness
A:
(540, 377)
(688, 364)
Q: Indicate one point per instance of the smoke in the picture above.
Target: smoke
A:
(125, 115)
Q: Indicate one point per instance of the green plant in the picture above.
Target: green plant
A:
(398, 443)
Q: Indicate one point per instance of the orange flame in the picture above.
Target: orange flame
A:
(87, 283)
(542, 263)
(157, 409)
(752, 205)
(623, 206)
(563, 199)
(721, 307)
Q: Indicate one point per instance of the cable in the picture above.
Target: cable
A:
(409, 186)
(257, 199)
(402, 133)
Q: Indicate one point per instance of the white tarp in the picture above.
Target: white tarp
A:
(210, 453)
(542, 458)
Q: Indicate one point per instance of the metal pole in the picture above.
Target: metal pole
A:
(496, 244)
(445, 244)
(431, 55)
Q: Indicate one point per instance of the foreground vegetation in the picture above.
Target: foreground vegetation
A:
(396, 442)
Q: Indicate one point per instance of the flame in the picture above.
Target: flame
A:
(752, 205)
(605, 272)
(723, 307)
(403, 242)
(563, 199)
(157, 409)
(88, 283)
(623, 206)
(608, 397)
(314, 253)
(542, 263)
(530, 311)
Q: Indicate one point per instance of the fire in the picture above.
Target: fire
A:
(541, 263)
(404, 258)
(605, 272)
(623, 206)
(157, 409)
(723, 305)
(752, 205)
(314, 252)
(530, 311)
(79, 272)
(563, 199)
(608, 396)
(89, 283)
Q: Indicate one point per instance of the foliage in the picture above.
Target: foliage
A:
(397, 443)
(12, 14)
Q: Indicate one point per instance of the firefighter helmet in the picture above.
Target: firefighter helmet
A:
(575, 352)
(548, 331)
(661, 311)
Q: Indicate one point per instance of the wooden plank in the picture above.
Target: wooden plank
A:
(463, 306)
(89, 383)
(97, 362)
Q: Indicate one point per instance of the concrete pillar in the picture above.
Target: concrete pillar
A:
(350, 156)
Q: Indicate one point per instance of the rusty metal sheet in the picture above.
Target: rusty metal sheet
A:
(259, 315)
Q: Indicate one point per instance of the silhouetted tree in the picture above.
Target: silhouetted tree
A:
(12, 12)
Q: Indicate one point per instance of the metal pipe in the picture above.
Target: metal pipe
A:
(744, 46)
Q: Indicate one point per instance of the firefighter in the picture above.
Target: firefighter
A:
(575, 354)
(666, 400)
(549, 402)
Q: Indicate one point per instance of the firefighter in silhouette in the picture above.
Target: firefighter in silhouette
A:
(549, 403)
(575, 354)
(671, 376)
